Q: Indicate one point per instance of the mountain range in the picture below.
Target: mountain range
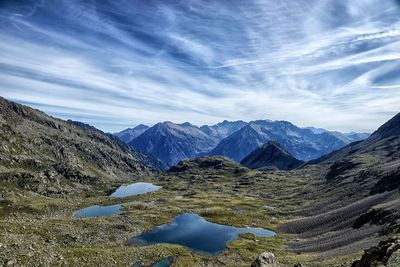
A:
(172, 142)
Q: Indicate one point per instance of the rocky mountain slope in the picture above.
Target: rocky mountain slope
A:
(302, 143)
(243, 142)
(172, 142)
(375, 161)
(271, 156)
(52, 156)
(129, 134)
(356, 199)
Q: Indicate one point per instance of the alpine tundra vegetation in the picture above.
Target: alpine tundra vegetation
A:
(144, 133)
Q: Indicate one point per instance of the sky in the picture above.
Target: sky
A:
(115, 64)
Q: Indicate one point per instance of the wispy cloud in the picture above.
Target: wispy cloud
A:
(113, 64)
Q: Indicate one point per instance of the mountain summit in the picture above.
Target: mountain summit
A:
(172, 142)
(129, 134)
(271, 156)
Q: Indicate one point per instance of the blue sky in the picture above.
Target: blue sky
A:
(114, 64)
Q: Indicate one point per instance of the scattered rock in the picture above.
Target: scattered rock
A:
(11, 263)
(266, 259)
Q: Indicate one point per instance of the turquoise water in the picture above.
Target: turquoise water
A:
(193, 231)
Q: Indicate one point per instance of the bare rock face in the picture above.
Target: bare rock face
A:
(382, 254)
(266, 259)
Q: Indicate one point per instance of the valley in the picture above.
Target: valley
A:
(199, 133)
(324, 213)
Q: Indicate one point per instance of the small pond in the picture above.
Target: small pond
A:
(135, 189)
(99, 211)
(194, 232)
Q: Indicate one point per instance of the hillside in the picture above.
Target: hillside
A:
(355, 199)
(55, 157)
(271, 156)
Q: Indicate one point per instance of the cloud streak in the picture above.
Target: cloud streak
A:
(113, 64)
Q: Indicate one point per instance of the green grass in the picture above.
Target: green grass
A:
(214, 194)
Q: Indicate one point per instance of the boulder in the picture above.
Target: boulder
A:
(266, 259)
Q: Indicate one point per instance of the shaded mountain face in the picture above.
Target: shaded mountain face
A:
(302, 143)
(172, 142)
(241, 143)
(271, 156)
(54, 157)
(129, 134)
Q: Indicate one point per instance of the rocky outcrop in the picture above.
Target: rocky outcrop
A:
(381, 254)
(266, 259)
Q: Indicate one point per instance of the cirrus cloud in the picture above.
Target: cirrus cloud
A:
(113, 64)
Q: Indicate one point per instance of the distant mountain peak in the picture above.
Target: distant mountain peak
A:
(141, 126)
(129, 134)
(187, 124)
(271, 156)
(173, 142)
